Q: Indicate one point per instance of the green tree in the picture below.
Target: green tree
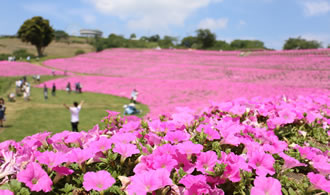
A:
(115, 41)
(189, 41)
(223, 45)
(133, 36)
(247, 44)
(154, 38)
(38, 32)
(206, 38)
(329, 46)
(300, 43)
(60, 34)
(167, 42)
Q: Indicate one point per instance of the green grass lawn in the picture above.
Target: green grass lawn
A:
(39, 115)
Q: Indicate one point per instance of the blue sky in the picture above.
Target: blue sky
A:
(271, 21)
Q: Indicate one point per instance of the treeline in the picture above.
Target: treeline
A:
(204, 39)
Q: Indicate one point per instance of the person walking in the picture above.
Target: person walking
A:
(74, 114)
(54, 90)
(45, 92)
(2, 111)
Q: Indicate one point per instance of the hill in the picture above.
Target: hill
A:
(56, 49)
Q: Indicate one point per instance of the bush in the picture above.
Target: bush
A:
(238, 149)
(79, 52)
(4, 56)
(22, 53)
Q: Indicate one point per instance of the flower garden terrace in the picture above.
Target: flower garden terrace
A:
(276, 145)
(166, 79)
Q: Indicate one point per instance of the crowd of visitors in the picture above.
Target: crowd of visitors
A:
(23, 88)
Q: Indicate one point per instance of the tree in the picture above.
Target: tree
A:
(329, 46)
(299, 43)
(189, 41)
(133, 36)
(206, 38)
(60, 34)
(38, 32)
(167, 42)
(154, 38)
(247, 44)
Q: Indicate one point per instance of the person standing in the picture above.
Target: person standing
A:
(134, 95)
(2, 111)
(45, 92)
(68, 87)
(74, 114)
(54, 90)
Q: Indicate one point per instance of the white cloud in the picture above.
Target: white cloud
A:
(213, 24)
(151, 15)
(316, 7)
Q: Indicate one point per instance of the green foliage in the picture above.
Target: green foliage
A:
(154, 38)
(61, 35)
(189, 41)
(300, 43)
(247, 44)
(38, 32)
(132, 36)
(22, 53)
(206, 38)
(4, 56)
(79, 52)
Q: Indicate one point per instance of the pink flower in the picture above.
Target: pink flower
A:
(51, 159)
(266, 185)
(177, 136)
(190, 180)
(124, 138)
(98, 181)
(203, 188)
(149, 181)
(6, 192)
(261, 162)
(35, 178)
(164, 161)
(319, 181)
(63, 170)
(101, 145)
(206, 161)
(189, 148)
(287, 116)
(126, 150)
(290, 162)
(79, 156)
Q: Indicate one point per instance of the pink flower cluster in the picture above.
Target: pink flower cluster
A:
(159, 151)
(167, 79)
(8, 69)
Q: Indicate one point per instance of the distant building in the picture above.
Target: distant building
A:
(90, 33)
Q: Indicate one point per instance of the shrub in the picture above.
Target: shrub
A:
(4, 56)
(22, 53)
(79, 52)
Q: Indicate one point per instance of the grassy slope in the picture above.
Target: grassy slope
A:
(37, 115)
(55, 49)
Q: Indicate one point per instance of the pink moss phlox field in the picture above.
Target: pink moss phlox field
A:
(167, 79)
(189, 153)
(8, 69)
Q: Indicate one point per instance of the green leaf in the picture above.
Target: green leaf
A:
(24, 191)
(292, 192)
(15, 185)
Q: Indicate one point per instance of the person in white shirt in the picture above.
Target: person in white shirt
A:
(74, 114)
